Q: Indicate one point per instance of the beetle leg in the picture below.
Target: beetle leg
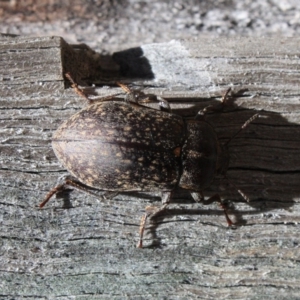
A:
(214, 108)
(68, 183)
(76, 88)
(152, 211)
(225, 96)
(131, 95)
(142, 229)
(198, 197)
(164, 104)
(140, 97)
(81, 92)
(51, 193)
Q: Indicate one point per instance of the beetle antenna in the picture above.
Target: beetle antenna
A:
(242, 128)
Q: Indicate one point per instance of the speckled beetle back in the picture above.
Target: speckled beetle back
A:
(117, 146)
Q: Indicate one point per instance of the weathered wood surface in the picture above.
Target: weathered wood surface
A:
(89, 251)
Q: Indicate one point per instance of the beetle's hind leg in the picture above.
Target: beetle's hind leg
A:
(198, 197)
(78, 90)
(75, 184)
(151, 212)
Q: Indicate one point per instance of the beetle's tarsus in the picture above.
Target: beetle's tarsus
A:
(124, 87)
(199, 197)
(52, 192)
(226, 96)
(76, 88)
(213, 108)
(142, 230)
(81, 93)
(228, 220)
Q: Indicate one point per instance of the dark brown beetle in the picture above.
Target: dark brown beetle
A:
(124, 146)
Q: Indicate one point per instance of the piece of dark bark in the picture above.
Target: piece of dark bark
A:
(89, 250)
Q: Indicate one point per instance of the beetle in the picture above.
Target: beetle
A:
(122, 146)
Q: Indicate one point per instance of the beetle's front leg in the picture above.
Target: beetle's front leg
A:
(214, 108)
(198, 197)
(151, 212)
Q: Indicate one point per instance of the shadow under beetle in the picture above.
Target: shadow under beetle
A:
(120, 146)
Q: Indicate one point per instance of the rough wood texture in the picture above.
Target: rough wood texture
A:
(89, 251)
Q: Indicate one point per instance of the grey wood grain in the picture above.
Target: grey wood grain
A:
(88, 251)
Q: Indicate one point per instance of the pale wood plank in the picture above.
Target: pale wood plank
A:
(89, 250)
